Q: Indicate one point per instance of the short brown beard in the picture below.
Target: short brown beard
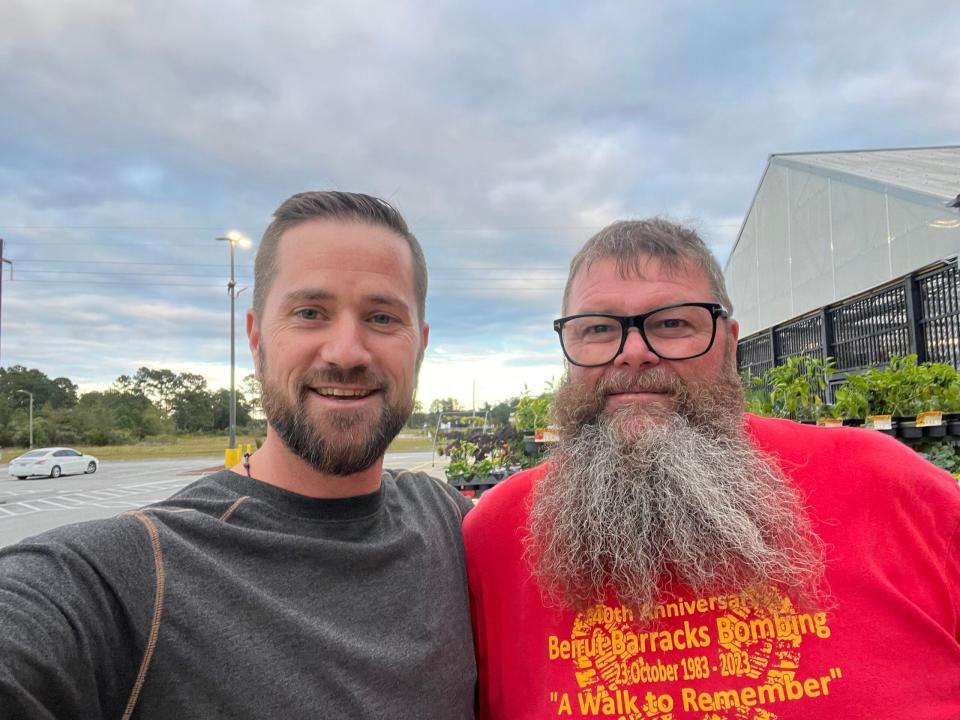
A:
(645, 502)
(301, 435)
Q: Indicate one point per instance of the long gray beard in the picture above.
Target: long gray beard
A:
(640, 505)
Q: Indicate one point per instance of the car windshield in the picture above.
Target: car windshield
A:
(35, 453)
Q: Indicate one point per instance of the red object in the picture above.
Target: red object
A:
(468, 493)
(887, 648)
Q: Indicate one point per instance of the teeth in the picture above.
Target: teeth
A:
(342, 392)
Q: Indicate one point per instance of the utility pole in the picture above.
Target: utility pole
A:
(234, 238)
(10, 263)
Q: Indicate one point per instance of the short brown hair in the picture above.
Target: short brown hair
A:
(628, 241)
(332, 205)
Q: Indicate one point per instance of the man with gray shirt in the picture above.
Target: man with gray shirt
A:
(308, 581)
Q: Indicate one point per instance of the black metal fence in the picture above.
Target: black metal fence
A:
(800, 337)
(754, 354)
(917, 314)
(940, 315)
(869, 329)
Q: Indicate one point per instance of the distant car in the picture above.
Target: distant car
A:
(52, 462)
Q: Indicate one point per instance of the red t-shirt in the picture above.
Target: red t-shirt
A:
(889, 647)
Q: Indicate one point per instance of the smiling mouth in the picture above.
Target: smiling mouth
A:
(343, 393)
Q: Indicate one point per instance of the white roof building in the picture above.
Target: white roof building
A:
(826, 226)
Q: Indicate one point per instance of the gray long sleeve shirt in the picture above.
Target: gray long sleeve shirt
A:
(238, 599)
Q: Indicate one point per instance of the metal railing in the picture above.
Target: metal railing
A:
(917, 314)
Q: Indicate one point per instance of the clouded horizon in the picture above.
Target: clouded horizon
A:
(134, 134)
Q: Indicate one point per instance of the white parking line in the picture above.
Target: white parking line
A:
(55, 504)
(123, 497)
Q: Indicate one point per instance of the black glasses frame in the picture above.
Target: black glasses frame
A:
(628, 321)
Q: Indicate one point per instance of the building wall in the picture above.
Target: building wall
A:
(814, 237)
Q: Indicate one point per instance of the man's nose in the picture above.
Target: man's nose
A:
(636, 352)
(345, 344)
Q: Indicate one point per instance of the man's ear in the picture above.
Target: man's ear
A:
(734, 330)
(424, 336)
(253, 339)
(733, 337)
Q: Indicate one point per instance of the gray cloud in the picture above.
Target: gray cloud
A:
(507, 133)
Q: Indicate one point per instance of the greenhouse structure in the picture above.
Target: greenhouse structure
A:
(850, 255)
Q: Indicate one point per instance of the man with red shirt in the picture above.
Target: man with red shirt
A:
(678, 559)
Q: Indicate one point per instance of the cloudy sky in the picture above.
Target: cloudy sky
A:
(134, 133)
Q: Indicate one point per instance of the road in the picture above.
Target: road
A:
(28, 507)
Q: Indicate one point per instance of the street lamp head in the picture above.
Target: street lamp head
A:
(235, 237)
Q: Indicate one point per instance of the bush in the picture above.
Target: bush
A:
(901, 388)
(941, 454)
(796, 388)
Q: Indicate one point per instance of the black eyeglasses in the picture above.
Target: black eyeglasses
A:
(675, 332)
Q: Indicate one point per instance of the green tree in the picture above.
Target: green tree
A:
(158, 385)
(442, 405)
(65, 395)
(252, 392)
(56, 393)
(499, 414)
(221, 410)
(191, 403)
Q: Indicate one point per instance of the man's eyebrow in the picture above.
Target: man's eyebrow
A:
(389, 300)
(307, 295)
(295, 296)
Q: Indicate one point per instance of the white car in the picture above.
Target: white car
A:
(52, 462)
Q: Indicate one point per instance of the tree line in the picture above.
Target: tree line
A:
(158, 402)
(149, 403)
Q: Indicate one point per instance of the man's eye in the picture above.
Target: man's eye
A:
(307, 314)
(598, 329)
(382, 319)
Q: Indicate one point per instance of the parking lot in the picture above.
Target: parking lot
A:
(28, 507)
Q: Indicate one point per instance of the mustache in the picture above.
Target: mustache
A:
(577, 404)
(653, 380)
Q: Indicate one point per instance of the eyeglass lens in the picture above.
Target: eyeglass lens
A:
(673, 333)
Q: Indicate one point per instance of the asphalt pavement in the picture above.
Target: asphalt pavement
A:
(28, 507)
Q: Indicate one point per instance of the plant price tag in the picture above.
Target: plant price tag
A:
(931, 418)
(830, 422)
(548, 435)
(879, 422)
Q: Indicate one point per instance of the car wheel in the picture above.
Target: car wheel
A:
(21, 477)
(92, 467)
(55, 471)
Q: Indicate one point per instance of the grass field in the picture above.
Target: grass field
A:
(197, 445)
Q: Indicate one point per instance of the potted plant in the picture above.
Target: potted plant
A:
(797, 388)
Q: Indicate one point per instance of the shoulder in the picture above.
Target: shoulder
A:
(424, 491)
(211, 494)
(97, 539)
(852, 460)
(843, 446)
(504, 505)
(79, 562)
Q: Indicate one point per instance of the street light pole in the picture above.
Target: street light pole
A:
(27, 392)
(233, 238)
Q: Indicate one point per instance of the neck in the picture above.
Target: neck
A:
(275, 465)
